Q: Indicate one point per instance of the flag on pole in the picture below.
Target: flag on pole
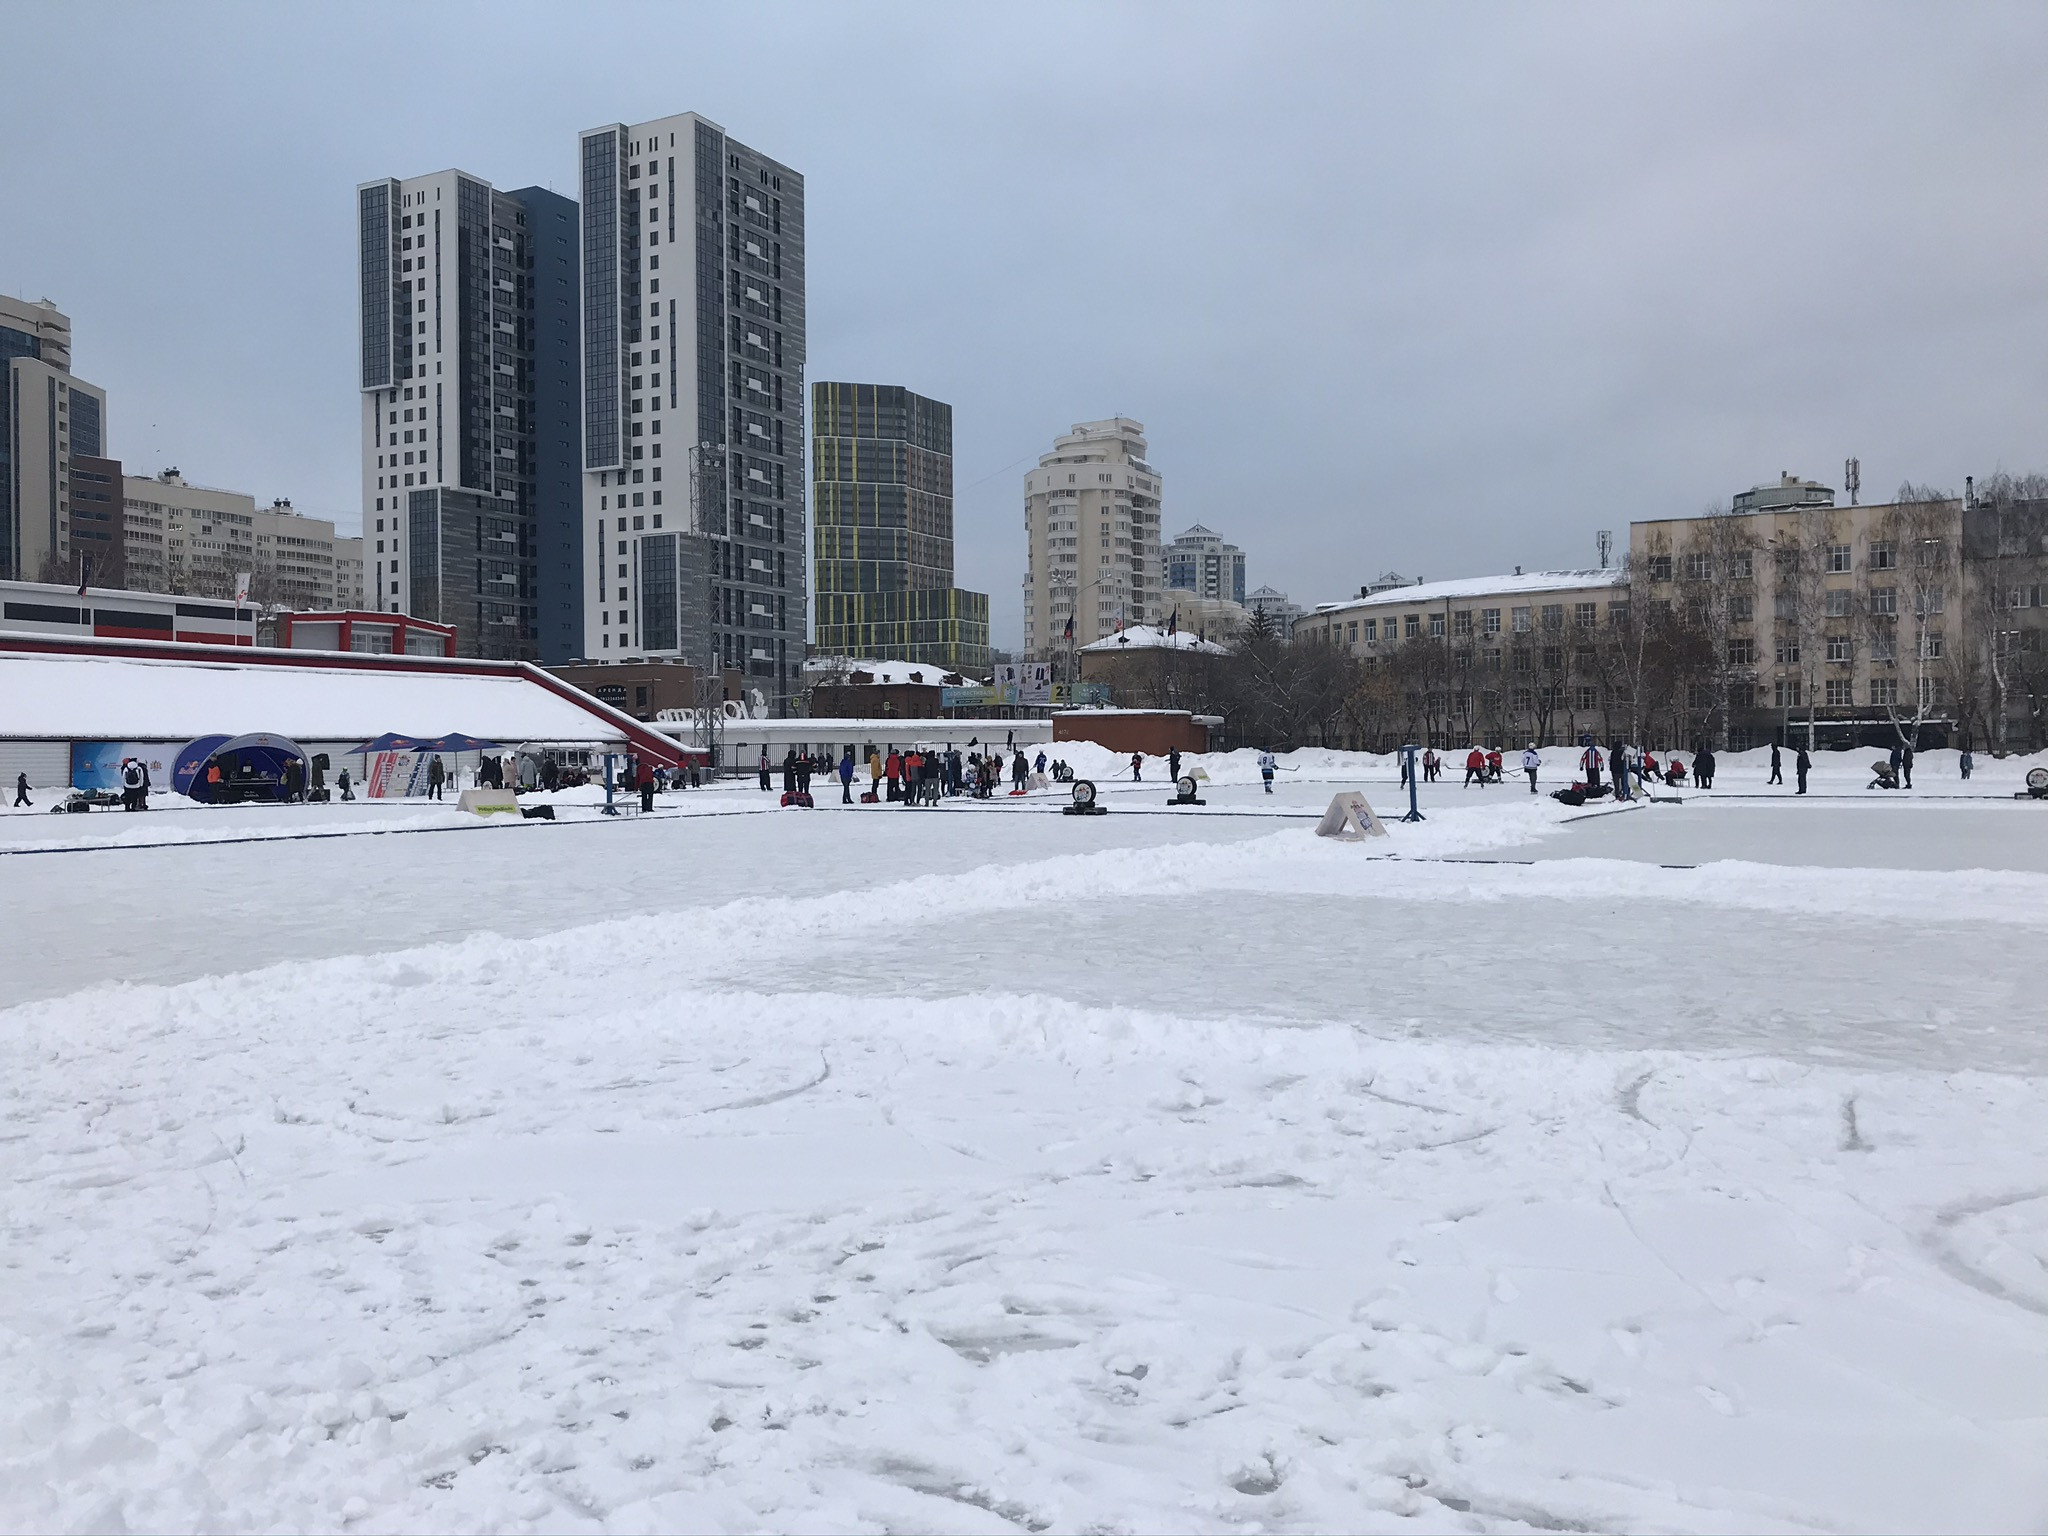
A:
(1070, 627)
(1173, 623)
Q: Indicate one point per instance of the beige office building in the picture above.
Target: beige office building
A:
(1517, 653)
(197, 540)
(1841, 613)
(348, 573)
(1091, 518)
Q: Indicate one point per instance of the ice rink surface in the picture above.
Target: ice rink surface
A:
(987, 1169)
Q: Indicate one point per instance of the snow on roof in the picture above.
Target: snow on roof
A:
(122, 698)
(1141, 637)
(837, 669)
(1479, 586)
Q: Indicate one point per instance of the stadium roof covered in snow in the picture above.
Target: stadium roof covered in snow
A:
(88, 689)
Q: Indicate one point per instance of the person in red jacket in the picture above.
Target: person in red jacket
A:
(892, 767)
(1493, 764)
(1475, 767)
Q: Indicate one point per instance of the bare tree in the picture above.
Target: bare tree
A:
(1910, 641)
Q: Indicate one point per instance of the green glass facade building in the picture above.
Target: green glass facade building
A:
(882, 531)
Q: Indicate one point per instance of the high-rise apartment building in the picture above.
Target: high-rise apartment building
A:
(692, 431)
(882, 531)
(1199, 561)
(465, 307)
(1091, 517)
(48, 418)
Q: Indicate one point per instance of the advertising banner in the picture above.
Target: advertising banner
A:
(395, 775)
(97, 764)
(1034, 683)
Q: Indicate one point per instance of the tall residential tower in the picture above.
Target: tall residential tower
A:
(693, 497)
(467, 315)
(882, 525)
(1091, 518)
(48, 419)
(1199, 561)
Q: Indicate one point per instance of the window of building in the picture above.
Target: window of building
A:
(1660, 567)
(1489, 620)
(1553, 615)
(1930, 645)
(1884, 690)
(1699, 567)
(1743, 566)
(1519, 618)
(1929, 553)
(1461, 623)
(1840, 692)
(1838, 602)
(1883, 557)
(1840, 649)
(1587, 614)
(1436, 626)
(1411, 625)
(1372, 628)
(1741, 653)
(1836, 559)
(1785, 692)
(1927, 600)
(1788, 651)
(1884, 600)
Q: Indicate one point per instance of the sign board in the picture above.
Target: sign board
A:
(1350, 819)
(97, 764)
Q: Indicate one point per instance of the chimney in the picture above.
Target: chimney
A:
(1969, 490)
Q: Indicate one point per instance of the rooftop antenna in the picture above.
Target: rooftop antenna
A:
(1605, 539)
(1852, 478)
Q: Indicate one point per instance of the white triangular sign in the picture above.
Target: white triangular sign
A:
(1349, 819)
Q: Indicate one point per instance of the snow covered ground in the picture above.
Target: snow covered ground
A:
(988, 1169)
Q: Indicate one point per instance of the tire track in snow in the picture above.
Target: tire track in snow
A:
(1940, 1243)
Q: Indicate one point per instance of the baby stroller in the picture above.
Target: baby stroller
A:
(1882, 776)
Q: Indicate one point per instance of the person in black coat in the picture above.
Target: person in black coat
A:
(1800, 765)
(1906, 763)
(1777, 767)
(789, 772)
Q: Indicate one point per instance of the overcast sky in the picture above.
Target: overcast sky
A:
(1436, 288)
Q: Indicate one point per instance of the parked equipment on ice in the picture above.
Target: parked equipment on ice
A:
(2037, 784)
(1084, 801)
(1184, 791)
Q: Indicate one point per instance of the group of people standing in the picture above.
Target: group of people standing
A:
(1625, 765)
(917, 775)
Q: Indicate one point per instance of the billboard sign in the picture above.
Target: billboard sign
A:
(97, 764)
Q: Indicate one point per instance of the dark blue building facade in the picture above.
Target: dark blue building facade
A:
(552, 241)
